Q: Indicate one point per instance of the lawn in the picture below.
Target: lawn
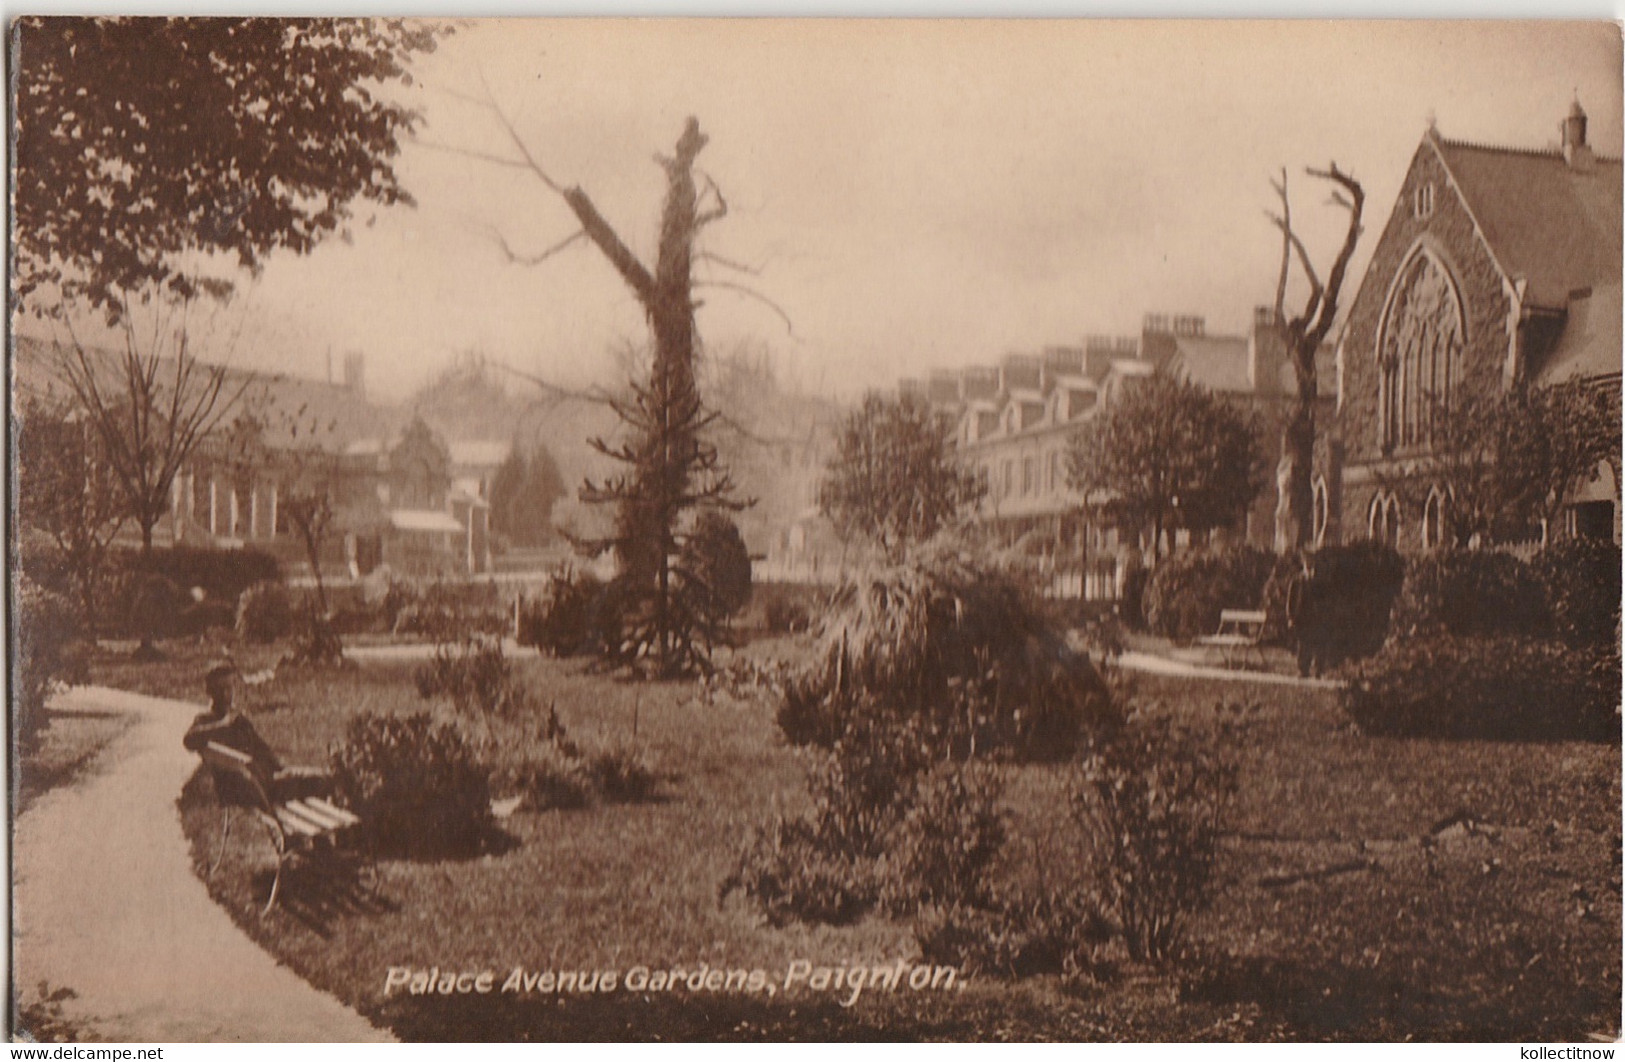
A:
(1368, 888)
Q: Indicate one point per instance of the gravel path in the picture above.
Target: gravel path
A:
(105, 903)
(1161, 665)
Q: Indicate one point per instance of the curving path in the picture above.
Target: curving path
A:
(105, 903)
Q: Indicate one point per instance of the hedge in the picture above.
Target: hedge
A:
(1187, 591)
(1472, 593)
(222, 573)
(1504, 688)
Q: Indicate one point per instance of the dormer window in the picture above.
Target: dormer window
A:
(1424, 201)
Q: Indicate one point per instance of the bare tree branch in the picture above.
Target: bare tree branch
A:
(749, 292)
(728, 263)
(1334, 281)
(718, 212)
(534, 259)
(517, 141)
(1286, 250)
(483, 156)
(1315, 288)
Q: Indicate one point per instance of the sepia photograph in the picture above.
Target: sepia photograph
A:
(543, 529)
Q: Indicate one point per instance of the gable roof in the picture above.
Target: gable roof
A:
(1550, 224)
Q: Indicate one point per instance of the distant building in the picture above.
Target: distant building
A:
(1497, 266)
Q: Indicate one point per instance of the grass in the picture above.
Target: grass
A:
(1368, 888)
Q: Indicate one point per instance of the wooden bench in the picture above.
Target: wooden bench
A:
(297, 826)
(1241, 632)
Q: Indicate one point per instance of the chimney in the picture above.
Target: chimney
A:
(354, 379)
(1266, 352)
(1575, 150)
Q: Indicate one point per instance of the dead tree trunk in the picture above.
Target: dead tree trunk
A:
(1303, 335)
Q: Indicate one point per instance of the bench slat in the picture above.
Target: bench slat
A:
(321, 818)
(345, 817)
(294, 824)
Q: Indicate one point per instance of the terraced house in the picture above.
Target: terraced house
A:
(1498, 266)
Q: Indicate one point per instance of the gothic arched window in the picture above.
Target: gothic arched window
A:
(1433, 520)
(1382, 519)
(1322, 506)
(1418, 351)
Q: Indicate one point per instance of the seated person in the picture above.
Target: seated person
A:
(222, 726)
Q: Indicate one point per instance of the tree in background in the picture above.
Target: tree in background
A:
(66, 489)
(895, 479)
(1169, 454)
(715, 567)
(155, 159)
(1303, 334)
(1507, 462)
(523, 490)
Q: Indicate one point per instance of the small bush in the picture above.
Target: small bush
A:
(574, 616)
(942, 849)
(622, 774)
(1582, 581)
(1151, 803)
(475, 674)
(549, 777)
(1471, 593)
(264, 613)
(794, 875)
(1187, 591)
(1504, 688)
(1058, 931)
(203, 616)
(315, 642)
(442, 610)
(1344, 606)
(416, 784)
(223, 574)
(155, 604)
(44, 629)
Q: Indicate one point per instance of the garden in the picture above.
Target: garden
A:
(933, 780)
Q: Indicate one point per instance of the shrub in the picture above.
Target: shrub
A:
(716, 567)
(1151, 803)
(222, 573)
(477, 677)
(44, 628)
(154, 606)
(443, 610)
(794, 875)
(1058, 931)
(962, 652)
(549, 777)
(825, 866)
(1471, 593)
(945, 843)
(315, 642)
(1582, 581)
(202, 616)
(623, 774)
(415, 783)
(1502, 687)
(1347, 600)
(264, 613)
(574, 616)
(1188, 590)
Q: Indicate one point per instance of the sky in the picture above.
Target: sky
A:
(911, 195)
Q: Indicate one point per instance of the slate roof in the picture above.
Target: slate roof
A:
(1553, 225)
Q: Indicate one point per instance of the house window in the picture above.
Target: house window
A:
(1054, 470)
(1007, 478)
(1029, 477)
(1418, 353)
(1423, 203)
